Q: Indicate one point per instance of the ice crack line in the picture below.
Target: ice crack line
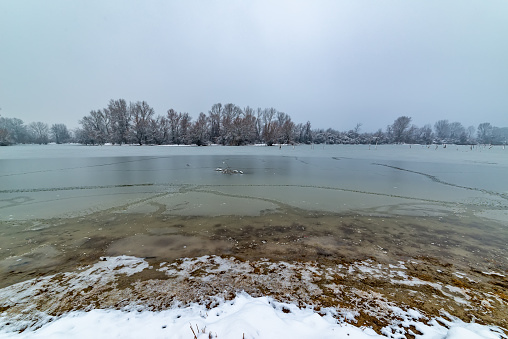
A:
(439, 181)
(80, 167)
(72, 188)
(184, 188)
(335, 189)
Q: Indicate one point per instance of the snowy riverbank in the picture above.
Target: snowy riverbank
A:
(243, 317)
(75, 304)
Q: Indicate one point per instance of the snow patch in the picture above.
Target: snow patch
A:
(493, 273)
(246, 317)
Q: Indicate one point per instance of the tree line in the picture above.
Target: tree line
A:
(14, 131)
(228, 124)
(136, 123)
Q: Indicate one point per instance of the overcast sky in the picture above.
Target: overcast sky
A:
(335, 63)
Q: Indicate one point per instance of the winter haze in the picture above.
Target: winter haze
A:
(335, 63)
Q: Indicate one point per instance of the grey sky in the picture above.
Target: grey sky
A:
(335, 63)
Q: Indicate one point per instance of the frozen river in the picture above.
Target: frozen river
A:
(54, 181)
(59, 203)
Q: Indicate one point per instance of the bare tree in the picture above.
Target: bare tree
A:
(243, 128)
(4, 137)
(442, 128)
(484, 133)
(249, 126)
(158, 131)
(269, 126)
(231, 120)
(40, 132)
(357, 128)
(307, 133)
(499, 135)
(379, 136)
(259, 123)
(185, 126)
(120, 119)
(199, 130)
(400, 128)
(60, 133)
(4, 133)
(93, 128)
(457, 133)
(425, 134)
(214, 116)
(285, 128)
(174, 126)
(13, 131)
(471, 130)
(141, 114)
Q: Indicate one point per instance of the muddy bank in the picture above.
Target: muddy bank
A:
(50, 246)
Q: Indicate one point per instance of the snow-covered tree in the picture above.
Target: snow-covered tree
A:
(270, 126)
(200, 134)
(39, 132)
(400, 128)
(141, 115)
(13, 131)
(60, 133)
(442, 128)
(120, 121)
(174, 126)
(485, 133)
(214, 118)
